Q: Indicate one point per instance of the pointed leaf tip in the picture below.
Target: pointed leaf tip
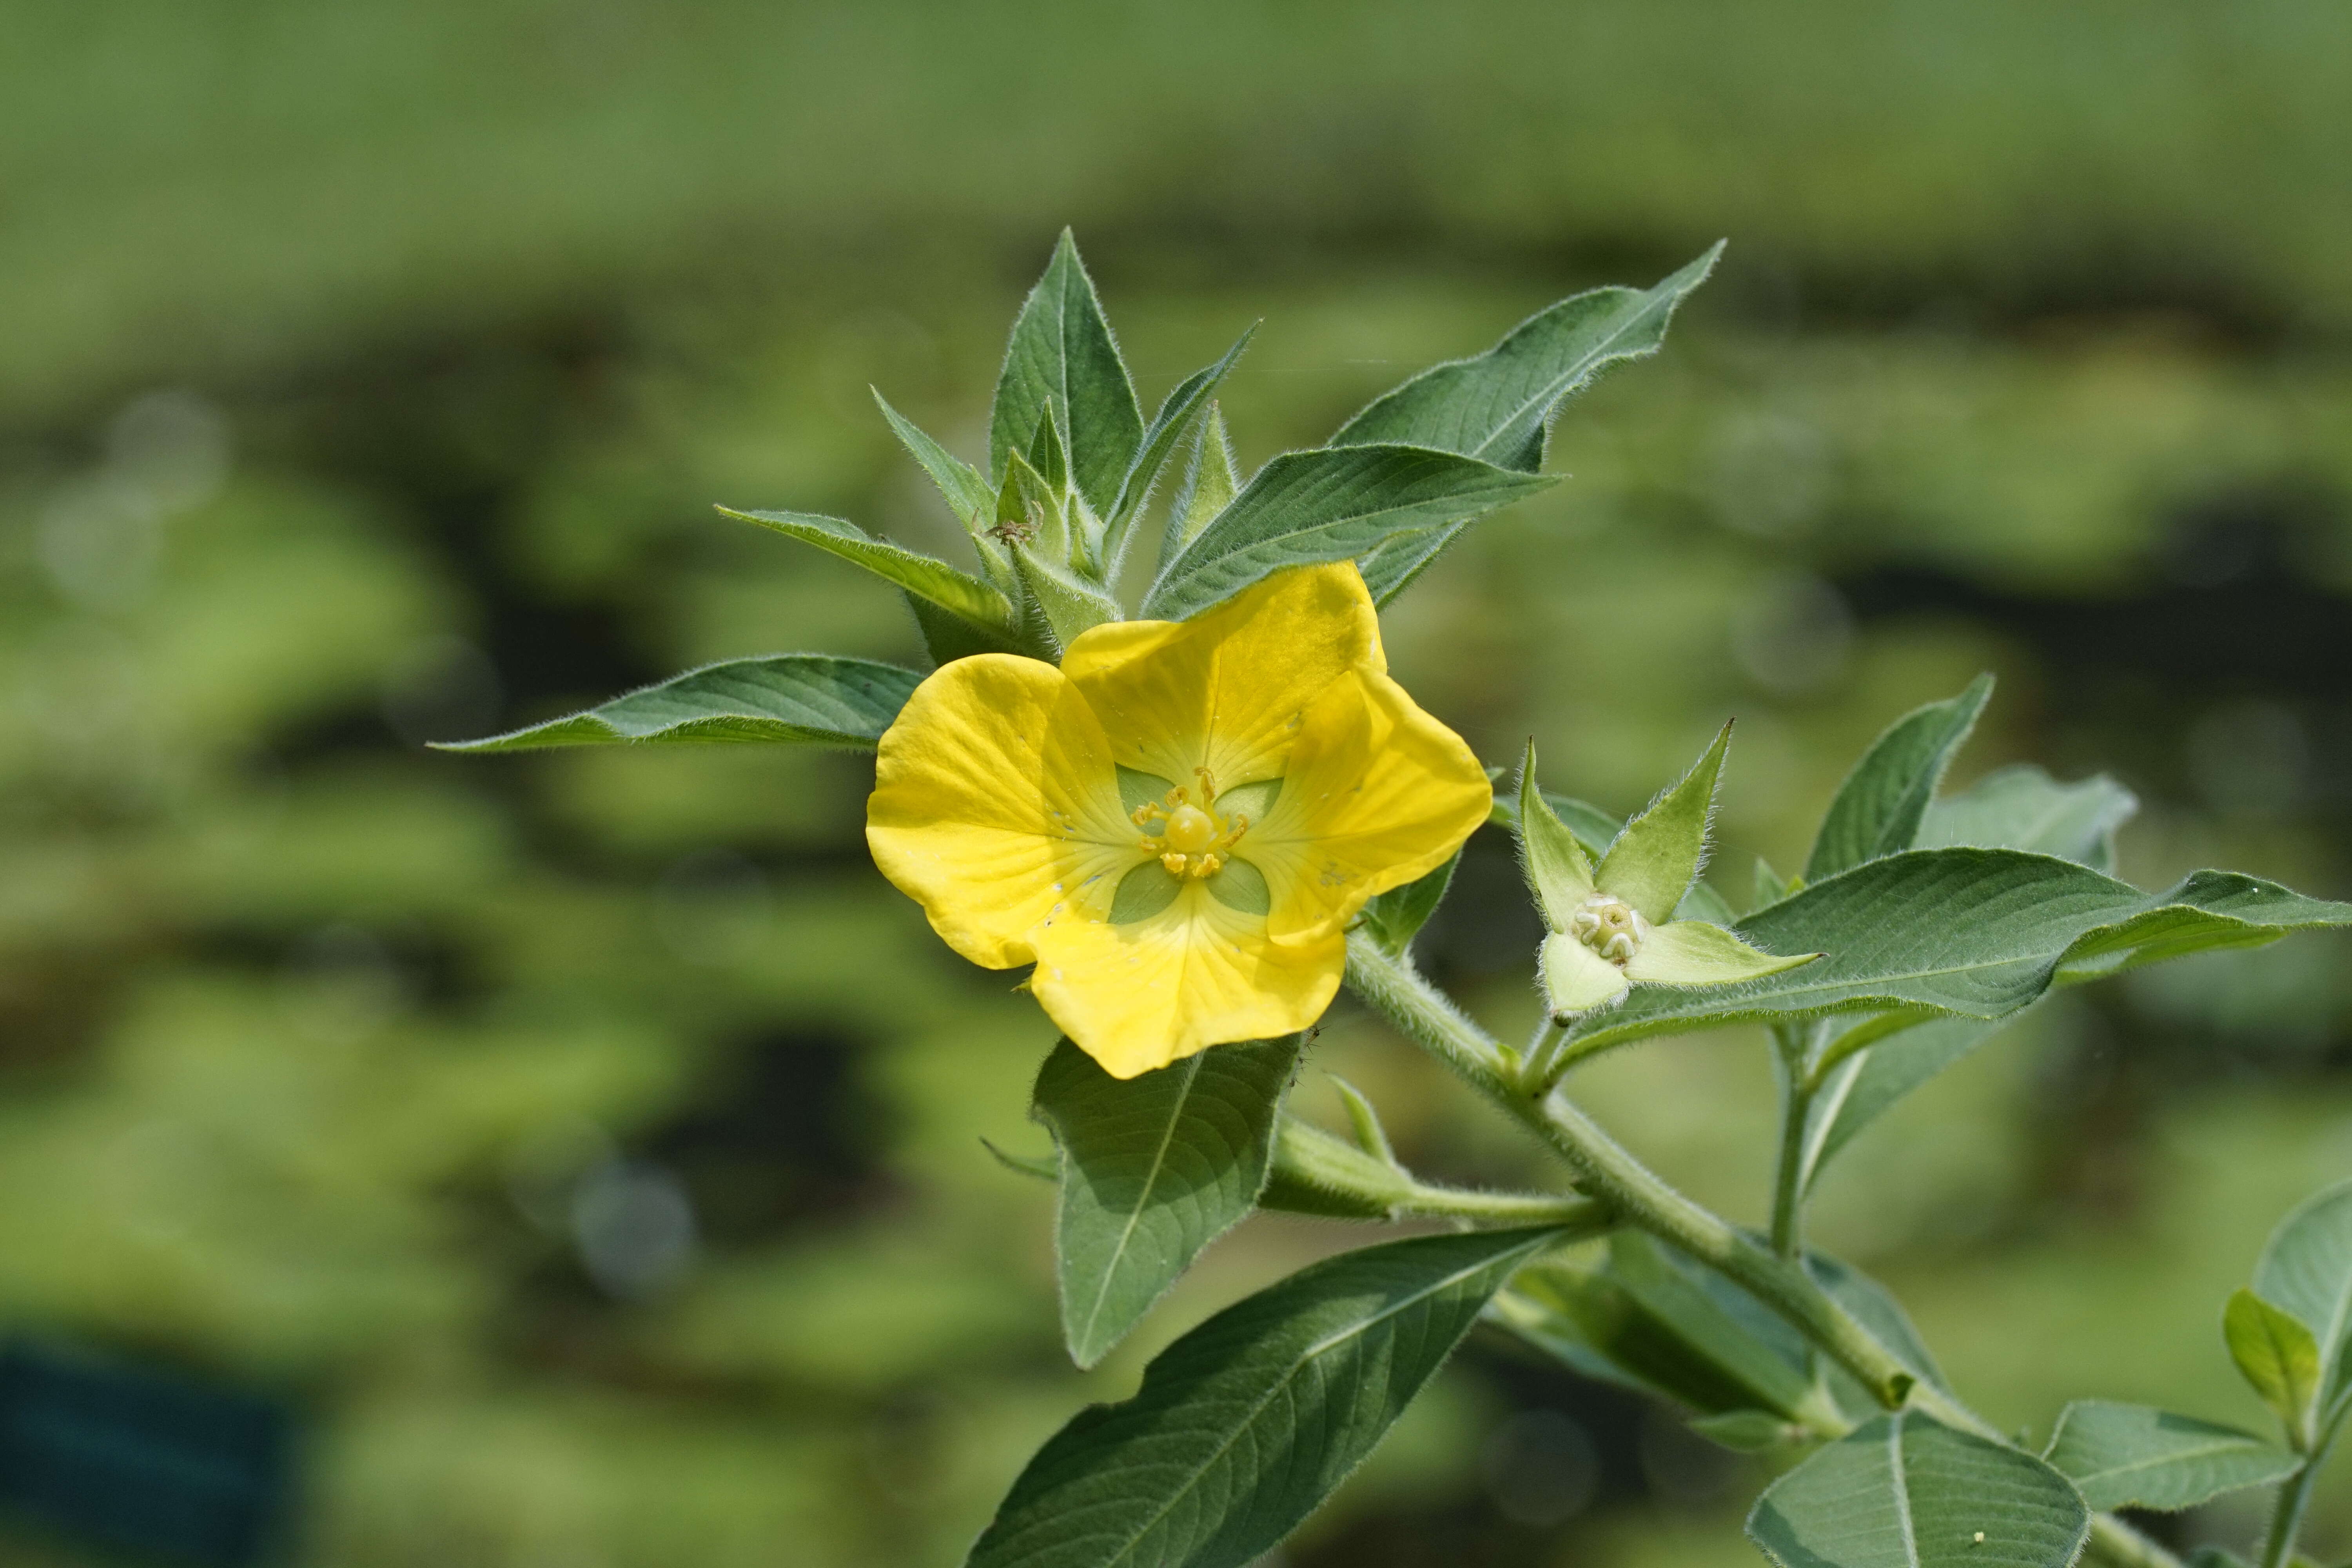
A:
(1654, 862)
(1556, 870)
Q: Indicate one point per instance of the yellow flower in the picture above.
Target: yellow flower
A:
(1178, 824)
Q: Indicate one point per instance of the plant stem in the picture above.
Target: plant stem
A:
(2294, 1498)
(1610, 1173)
(1788, 1175)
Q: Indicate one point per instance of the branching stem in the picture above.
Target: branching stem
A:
(1638, 1195)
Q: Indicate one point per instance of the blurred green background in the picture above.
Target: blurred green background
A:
(584, 1148)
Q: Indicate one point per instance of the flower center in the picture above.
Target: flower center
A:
(1192, 839)
(1609, 927)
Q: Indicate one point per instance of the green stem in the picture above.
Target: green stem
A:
(2294, 1498)
(1789, 1176)
(1612, 1175)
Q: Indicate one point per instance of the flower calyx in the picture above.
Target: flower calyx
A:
(1612, 926)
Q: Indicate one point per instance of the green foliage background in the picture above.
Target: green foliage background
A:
(368, 374)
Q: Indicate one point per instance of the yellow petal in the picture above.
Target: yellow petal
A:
(1377, 792)
(1225, 689)
(1197, 975)
(995, 800)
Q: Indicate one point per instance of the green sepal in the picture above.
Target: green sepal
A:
(798, 698)
(1557, 874)
(1365, 1121)
(964, 487)
(1211, 481)
(1575, 979)
(1594, 828)
(1656, 858)
(1069, 603)
(1315, 1172)
(1179, 411)
(924, 577)
(2278, 1356)
(1695, 952)
(1061, 355)
(1030, 510)
(1878, 809)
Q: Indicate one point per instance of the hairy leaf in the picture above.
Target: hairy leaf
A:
(1861, 1089)
(800, 699)
(1154, 1168)
(1069, 602)
(1245, 1423)
(1499, 405)
(1177, 410)
(967, 490)
(1973, 933)
(1327, 505)
(1210, 484)
(2129, 1456)
(2307, 1269)
(924, 577)
(1061, 355)
(2022, 807)
(1903, 1491)
(1878, 809)
(1594, 828)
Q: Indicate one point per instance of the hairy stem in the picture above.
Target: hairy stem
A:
(1608, 1172)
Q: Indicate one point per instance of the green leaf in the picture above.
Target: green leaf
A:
(1030, 510)
(1209, 485)
(1878, 809)
(924, 577)
(1557, 874)
(1154, 1168)
(1391, 567)
(1499, 405)
(1061, 355)
(1178, 411)
(1244, 1426)
(1874, 1307)
(1903, 1491)
(1069, 602)
(800, 699)
(2277, 1354)
(1972, 932)
(1695, 952)
(1657, 856)
(1641, 1317)
(1327, 505)
(2307, 1269)
(2022, 807)
(1394, 918)
(2129, 1456)
(967, 490)
(1767, 886)
(1861, 1089)
(1046, 453)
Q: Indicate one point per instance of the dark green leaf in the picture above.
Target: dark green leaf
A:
(1499, 405)
(2307, 1269)
(801, 698)
(1153, 1169)
(1327, 505)
(1394, 918)
(1210, 484)
(1903, 1491)
(924, 577)
(1873, 1306)
(1247, 1423)
(1878, 809)
(2022, 807)
(1178, 411)
(1391, 567)
(967, 490)
(2129, 1456)
(1062, 354)
(1973, 933)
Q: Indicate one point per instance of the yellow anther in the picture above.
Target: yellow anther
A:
(1208, 785)
(1173, 864)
